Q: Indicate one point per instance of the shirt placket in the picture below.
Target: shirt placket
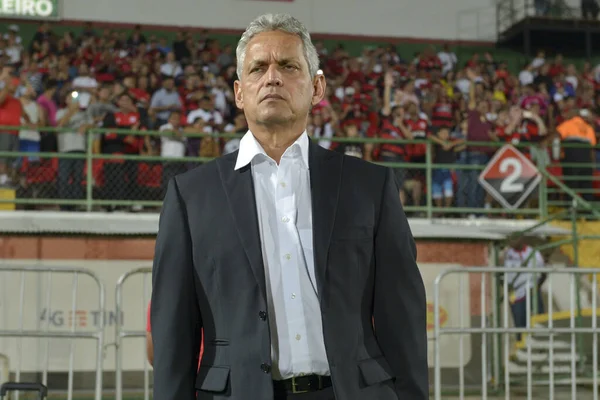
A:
(291, 261)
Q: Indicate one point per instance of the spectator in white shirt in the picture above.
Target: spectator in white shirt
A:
(29, 139)
(207, 112)
(164, 101)
(539, 60)
(14, 30)
(85, 84)
(522, 284)
(171, 66)
(448, 59)
(13, 49)
(172, 147)
(526, 76)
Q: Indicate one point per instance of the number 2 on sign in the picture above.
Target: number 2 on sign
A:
(510, 184)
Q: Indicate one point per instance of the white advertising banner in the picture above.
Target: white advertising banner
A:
(69, 303)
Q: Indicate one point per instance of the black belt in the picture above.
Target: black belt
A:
(302, 384)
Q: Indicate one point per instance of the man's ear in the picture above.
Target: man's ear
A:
(237, 90)
(319, 86)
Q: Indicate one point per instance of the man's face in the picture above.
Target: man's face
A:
(206, 105)
(103, 94)
(276, 87)
(412, 109)
(482, 107)
(175, 119)
(351, 131)
(125, 102)
(444, 134)
(29, 92)
(129, 82)
(168, 84)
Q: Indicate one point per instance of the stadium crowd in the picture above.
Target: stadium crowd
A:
(128, 80)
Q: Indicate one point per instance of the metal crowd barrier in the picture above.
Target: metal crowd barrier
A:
(122, 333)
(45, 331)
(559, 343)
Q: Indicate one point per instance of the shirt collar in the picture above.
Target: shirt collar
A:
(250, 148)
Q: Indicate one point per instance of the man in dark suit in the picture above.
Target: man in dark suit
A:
(285, 253)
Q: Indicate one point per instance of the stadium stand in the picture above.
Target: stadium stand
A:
(69, 81)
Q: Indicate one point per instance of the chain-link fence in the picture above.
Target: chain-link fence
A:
(435, 180)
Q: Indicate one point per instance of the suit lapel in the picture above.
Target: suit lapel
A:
(239, 188)
(325, 178)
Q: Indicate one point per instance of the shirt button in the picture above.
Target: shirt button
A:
(285, 219)
(288, 257)
(293, 295)
(263, 315)
(266, 368)
(282, 184)
(298, 337)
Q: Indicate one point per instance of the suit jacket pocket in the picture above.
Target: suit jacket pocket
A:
(212, 378)
(375, 370)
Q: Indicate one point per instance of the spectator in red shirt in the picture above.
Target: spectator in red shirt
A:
(419, 130)
(470, 193)
(116, 171)
(11, 111)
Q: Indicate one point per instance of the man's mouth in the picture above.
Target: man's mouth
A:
(272, 97)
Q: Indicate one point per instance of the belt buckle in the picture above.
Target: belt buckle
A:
(294, 388)
(296, 391)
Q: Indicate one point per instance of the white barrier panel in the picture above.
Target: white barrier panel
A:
(451, 311)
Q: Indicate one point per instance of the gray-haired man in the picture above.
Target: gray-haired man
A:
(285, 252)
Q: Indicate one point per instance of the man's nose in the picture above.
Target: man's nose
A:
(274, 76)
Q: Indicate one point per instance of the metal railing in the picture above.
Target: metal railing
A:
(126, 180)
(492, 327)
(122, 333)
(43, 324)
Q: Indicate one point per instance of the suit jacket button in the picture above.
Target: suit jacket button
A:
(263, 315)
(266, 368)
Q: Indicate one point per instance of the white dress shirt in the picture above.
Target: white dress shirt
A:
(522, 281)
(284, 212)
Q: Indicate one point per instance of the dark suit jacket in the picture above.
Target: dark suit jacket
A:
(208, 272)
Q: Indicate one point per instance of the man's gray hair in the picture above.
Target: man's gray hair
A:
(278, 22)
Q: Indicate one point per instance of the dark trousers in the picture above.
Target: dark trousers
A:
(519, 311)
(70, 175)
(585, 172)
(470, 193)
(115, 187)
(325, 394)
(131, 177)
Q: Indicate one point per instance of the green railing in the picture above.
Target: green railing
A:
(136, 179)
